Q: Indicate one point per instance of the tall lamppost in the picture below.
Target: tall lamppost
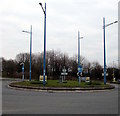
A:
(44, 59)
(104, 26)
(79, 47)
(79, 64)
(30, 32)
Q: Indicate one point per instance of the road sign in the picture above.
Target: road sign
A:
(22, 67)
(64, 73)
(79, 73)
(69, 70)
(64, 70)
(103, 74)
(80, 69)
(41, 78)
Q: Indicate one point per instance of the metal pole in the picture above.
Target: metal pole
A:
(104, 51)
(113, 70)
(78, 48)
(30, 50)
(79, 54)
(23, 72)
(44, 65)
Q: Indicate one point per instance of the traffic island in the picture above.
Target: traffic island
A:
(54, 85)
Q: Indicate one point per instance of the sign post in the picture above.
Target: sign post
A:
(79, 66)
(64, 73)
(80, 69)
(22, 71)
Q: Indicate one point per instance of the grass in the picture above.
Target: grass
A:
(55, 83)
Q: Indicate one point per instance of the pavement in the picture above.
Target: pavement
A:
(32, 102)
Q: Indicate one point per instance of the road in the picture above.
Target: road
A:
(34, 102)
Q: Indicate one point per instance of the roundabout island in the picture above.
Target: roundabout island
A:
(66, 86)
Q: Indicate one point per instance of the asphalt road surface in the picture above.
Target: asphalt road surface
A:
(34, 102)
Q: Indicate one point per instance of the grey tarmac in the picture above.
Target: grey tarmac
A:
(39, 102)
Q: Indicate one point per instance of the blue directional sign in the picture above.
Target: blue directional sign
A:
(22, 67)
(80, 69)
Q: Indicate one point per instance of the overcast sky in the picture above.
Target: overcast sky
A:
(64, 19)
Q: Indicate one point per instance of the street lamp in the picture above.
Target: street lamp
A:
(79, 64)
(104, 46)
(30, 49)
(44, 62)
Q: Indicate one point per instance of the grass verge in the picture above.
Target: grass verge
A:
(55, 83)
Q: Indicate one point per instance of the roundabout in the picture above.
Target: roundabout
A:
(20, 101)
(55, 86)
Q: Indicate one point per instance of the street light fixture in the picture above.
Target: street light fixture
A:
(30, 49)
(44, 59)
(111, 23)
(104, 45)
